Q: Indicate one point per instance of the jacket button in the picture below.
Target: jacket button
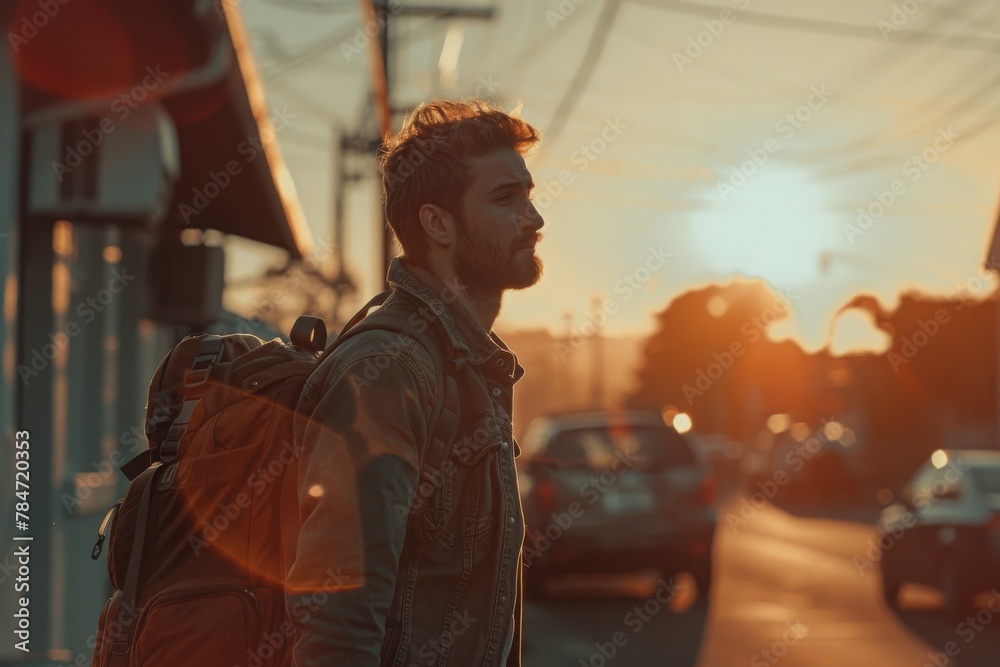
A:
(504, 444)
(496, 391)
(500, 363)
(512, 519)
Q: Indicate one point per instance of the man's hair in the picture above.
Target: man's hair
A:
(424, 162)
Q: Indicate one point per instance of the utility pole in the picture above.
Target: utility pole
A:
(378, 12)
(596, 359)
(344, 144)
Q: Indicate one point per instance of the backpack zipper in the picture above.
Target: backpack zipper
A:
(103, 530)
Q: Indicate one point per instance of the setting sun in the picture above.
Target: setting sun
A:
(776, 227)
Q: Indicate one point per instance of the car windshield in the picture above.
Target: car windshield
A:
(596, 448)
(987, 479)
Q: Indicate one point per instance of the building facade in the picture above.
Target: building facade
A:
(127, 130)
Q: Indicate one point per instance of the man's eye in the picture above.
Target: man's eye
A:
(503, 199)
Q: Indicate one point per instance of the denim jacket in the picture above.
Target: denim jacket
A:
(366, 589)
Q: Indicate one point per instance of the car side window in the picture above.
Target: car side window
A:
(920, 491)
(947, 487)
(569, 448)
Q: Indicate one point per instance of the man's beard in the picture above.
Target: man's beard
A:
(483, 265)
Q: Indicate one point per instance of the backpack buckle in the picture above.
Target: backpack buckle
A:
(195, 378)
(168, 476)
(209, 353)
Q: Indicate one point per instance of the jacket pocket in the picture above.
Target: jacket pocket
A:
(474, 492)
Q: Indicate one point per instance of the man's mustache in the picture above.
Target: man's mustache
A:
(529, 241)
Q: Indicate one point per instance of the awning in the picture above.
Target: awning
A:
(992, 260)
(101, 59)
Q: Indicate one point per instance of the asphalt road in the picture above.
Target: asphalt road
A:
(788, 591)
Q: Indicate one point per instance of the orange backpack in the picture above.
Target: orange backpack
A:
(200, 545)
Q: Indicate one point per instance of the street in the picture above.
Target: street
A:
(787, 591)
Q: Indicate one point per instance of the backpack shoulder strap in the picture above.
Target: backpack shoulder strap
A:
(443, 420)
(210, 351)
(122, 639)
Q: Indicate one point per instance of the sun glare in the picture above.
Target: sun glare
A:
(682, 422)
(776, 227)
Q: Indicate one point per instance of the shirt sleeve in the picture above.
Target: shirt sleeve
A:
(357, 477)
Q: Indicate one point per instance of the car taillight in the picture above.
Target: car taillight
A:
(707, 492)
(993, 525)
(545, 491)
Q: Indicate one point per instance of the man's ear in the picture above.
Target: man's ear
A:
(438, 223)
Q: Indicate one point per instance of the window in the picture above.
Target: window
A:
(987, 480)
(597, 448)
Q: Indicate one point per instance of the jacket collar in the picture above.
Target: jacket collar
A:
(467, 336)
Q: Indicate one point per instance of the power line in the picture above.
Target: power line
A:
(588, 63)
(828, 27)
(314, 7)
(310, 51)
(970, 101)
(307, 103)
(872, 144)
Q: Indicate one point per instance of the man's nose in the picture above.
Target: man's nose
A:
(531, 219)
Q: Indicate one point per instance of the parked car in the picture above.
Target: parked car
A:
(819, 473)
(944, 531)
(614, 491)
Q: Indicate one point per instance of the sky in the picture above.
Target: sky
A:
(829, 148)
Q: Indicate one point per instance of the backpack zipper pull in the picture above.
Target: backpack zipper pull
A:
(256, 602)
(103, 530)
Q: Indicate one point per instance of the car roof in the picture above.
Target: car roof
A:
(601, 418)
(986, 458)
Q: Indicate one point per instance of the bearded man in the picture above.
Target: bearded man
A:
(400, 561)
